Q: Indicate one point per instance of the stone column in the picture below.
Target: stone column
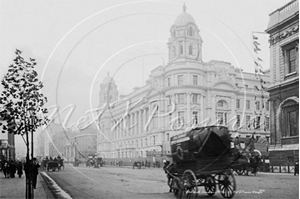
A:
(144, 120)
(140, 121)
(213, 104)
(202, 108)
(188, 107)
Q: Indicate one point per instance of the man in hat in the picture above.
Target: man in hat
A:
(35, 172)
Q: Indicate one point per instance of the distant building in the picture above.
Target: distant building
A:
(283, 28)
(7, 145)
(185, 93)
(85, 143)
(59, 142)
(44, 139)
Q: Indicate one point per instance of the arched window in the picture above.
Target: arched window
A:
(181, 49)
(190, 31)
(190, 50)
(220, 104)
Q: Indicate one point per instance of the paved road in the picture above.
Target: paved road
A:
(125, 183)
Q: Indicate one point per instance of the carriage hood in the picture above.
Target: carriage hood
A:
(202, 142)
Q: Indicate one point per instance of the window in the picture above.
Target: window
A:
(195, 80)
(180, 98)
(267, 106)
(180, 79)
(190, 50)
(267, 123)
(190, 31)
(291, 60)
(293, 123)
(248, 121)
(222, 118)
(290, 53)
(238, 121)
(154, 140)
(257, 105)
(238, 105)
(257, 122)
(146, 144)
(169, 81)
(195, 117)
(168, 136)
(180, 118)
(181, 48)
(247, 104)
(220, 104)
(194, 98)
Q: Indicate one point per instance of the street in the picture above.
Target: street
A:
(116, 182)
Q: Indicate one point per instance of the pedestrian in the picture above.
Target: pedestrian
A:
(20, 169)
(35, 172)
(12, 168)
(296, 169)
(5, 168)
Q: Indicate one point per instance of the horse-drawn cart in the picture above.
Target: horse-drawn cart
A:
(137, 164)
(53, 166)
(202, 157)
(244, 161)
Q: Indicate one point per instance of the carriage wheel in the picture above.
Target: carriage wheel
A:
(210, 185)
(190, 184)
(240, 171)
(227, 184)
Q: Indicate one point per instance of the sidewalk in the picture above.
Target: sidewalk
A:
(13, 188)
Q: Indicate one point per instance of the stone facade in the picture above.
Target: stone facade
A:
(183, 94)
(283, 28)
(85, 146)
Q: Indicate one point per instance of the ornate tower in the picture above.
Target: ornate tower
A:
(108, 91)
(185, 42)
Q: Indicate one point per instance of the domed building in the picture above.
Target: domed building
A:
(183, 94)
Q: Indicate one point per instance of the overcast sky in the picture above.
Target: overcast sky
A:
(77, 42)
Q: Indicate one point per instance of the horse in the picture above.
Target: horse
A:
(175, 184)
(61, 164)
(254, 163)
(169, 170)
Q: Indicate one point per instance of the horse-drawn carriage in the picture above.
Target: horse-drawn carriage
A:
(201, 157)
(52, 166)
(245, 162)
(98, 162)
(137, 164)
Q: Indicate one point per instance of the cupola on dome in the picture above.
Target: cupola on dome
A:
(184, 18)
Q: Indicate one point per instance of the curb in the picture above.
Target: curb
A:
(55, 190)
(48, 192)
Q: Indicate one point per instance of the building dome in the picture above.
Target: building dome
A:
(184, 18)
(108, 80)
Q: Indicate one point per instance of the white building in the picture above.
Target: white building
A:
(186, 92)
